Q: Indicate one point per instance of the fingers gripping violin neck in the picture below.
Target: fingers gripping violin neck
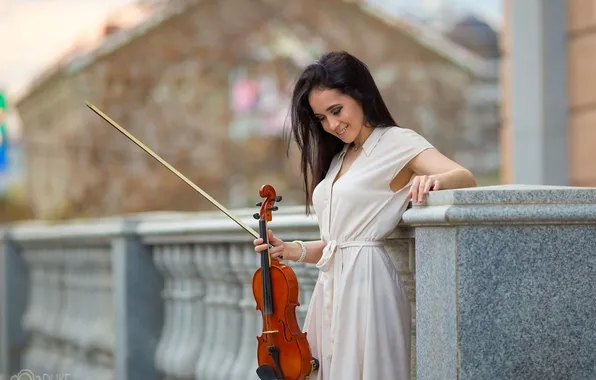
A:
(283, 353)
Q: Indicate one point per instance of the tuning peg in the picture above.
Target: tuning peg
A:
(256, 215)
(278, 198)
(274, 208)
(259, 204)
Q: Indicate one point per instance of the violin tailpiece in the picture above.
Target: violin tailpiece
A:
(274, 352)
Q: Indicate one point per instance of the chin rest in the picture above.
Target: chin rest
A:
(266, 372)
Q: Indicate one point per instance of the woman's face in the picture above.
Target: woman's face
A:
(339, 114)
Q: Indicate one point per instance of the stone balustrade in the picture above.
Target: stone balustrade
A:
(166, 296)
(169, 295)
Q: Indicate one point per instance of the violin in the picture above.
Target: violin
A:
(283, 352)
(282, 349)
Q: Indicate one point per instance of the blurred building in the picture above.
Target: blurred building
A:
(549, 93)
(477, 36)
(208, 91)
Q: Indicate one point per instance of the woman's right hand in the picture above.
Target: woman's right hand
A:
(278, 246)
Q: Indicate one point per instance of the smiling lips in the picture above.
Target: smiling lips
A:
(341, 132)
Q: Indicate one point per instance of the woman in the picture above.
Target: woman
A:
(364, 169)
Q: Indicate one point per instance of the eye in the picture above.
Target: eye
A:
(336, 111)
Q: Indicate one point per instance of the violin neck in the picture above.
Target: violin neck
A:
(266, 271)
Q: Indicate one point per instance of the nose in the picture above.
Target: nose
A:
(334, 123)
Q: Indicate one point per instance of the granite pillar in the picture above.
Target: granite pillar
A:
(138, 308)
(13, 302)
(505, 283)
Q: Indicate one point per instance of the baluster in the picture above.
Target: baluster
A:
(108, 340)
(69, 324)
(99, 345)
(170, 257)
(246, 361)
(80, 317)
(217, 260)
(233, 289)
(311, 276)
(34, 354)
(174, 285)
(177, 267)
(195, 314)
(205, 264)
(223, 298)
(54, 262)
(85, 311)
(306, 286)
(187, 296)
(166, 338)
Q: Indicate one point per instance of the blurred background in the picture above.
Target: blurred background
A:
(206, 85)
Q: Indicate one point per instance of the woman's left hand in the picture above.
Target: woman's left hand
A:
(421, 186)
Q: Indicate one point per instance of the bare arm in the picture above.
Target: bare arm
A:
(290, 250)
(314, 251)
(434, 171)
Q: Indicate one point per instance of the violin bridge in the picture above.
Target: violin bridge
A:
(271, 332)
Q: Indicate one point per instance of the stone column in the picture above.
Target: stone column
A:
(137, 305)
(535, 104)
(505, 283)
(13, 302)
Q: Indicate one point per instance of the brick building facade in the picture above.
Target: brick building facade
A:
(172, 80)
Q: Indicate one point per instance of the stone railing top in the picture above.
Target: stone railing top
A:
(492, 204)
(287, 223)
(505, 204)
(216, 226)
(514, 194)
(92, 231)
(168, 227)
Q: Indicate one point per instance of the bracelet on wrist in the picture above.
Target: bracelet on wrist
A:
(303, 252)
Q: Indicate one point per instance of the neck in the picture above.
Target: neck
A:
(361, 138)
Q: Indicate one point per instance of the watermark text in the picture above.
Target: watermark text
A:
(26, 374)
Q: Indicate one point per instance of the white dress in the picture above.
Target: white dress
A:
(358, 321)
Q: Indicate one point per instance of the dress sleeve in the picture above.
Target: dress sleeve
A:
(403, 145)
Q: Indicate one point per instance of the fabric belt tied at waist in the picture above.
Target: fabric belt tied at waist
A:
(327, 279)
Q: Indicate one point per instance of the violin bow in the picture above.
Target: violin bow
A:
(172, 169)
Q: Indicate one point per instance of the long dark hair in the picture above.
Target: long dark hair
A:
(345, 73)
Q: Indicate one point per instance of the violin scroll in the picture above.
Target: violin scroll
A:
(268, 204)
